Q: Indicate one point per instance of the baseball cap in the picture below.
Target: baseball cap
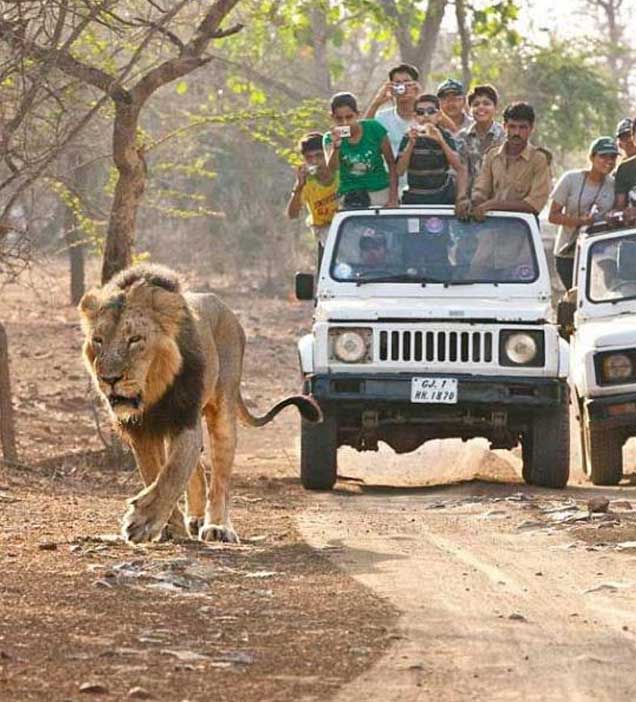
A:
(624, 127)
(450, 85)
(370, 239)
(603, 145)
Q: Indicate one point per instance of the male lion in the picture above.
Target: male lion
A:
(161, 358)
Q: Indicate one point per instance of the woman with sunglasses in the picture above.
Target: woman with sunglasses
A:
(427, 155)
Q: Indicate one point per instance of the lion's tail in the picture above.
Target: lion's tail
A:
(307, 406)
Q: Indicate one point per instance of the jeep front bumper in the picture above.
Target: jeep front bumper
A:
(613, 411)
(478, 391)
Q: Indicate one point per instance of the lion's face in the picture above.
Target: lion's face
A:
(130, 346)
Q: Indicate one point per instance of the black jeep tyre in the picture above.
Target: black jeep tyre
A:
(602, 453)
(318, 454)
(546, 449)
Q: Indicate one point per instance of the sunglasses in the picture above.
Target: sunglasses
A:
(423, 111)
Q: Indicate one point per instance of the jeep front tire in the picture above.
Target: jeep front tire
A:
(318, 454)
(546, 449)
(602, 450)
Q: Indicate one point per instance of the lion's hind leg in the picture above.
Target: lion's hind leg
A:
(221, 421)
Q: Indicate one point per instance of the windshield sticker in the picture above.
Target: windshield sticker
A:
(524, 272)
(343, 270)
(413, 225)
(434, 225)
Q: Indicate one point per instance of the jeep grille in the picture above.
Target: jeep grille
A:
(436, 346)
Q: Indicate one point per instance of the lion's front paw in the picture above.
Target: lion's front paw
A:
(194, 526)
(143, 520)
(175, 529)
(219, 532)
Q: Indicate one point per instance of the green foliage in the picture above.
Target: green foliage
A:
(574, 97)
(496, 20)
(92, 229)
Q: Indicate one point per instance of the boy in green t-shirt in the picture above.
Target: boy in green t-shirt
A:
(359, 150)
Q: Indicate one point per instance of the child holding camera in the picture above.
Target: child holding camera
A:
(427, 155)
(360, 152)
(316, 188)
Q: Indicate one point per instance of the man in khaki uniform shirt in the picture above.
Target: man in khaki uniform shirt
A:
(516, 175)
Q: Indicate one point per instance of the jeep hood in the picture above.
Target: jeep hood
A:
(614, 332)
(449, 308)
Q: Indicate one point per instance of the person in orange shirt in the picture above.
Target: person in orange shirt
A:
(316, 188)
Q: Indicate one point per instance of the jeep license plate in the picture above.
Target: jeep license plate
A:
(434, 390)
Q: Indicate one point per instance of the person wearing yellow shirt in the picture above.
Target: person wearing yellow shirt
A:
(315, 188)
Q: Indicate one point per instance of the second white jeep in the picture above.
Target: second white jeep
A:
(601, 315)
(428, 327)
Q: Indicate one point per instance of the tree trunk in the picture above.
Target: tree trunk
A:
(418, 54)
(75, 255)
(7, 423)
(465, 42)
(322, 77)
(428, 37)
(130, 163)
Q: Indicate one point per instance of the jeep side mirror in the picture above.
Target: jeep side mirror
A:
(565, 314)
(304, 286)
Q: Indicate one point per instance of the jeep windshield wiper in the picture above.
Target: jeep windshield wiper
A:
(400, 278)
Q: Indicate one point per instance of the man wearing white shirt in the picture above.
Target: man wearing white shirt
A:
(401, 89)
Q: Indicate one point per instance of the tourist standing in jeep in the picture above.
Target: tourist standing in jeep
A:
(580, 198)
(360, 151)
(515, 176)
(401, 90)
(626, 185)
(316, 188)
(475, 140)
(452, 98)
(625, 139)
(427, 154)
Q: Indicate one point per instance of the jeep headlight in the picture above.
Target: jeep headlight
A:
(616, 367)
(521, 348)
(350, 345)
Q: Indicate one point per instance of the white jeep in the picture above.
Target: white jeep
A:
(447, 332)
(601, 314)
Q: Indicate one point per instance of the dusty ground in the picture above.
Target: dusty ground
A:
(271, 619)
(434, 576)
(506, 592)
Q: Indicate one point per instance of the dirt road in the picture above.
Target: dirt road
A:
(388, 589)
(505, 592)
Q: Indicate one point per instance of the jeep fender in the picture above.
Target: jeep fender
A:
(306, 354)
(564, 358)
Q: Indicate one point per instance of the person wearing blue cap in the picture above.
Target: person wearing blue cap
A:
(452, 98)
(580, 198)
(626, 142)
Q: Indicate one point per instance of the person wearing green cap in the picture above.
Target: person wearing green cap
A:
(579, 198)
(452, 99)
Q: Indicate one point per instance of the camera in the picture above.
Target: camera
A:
(344, 131)
(399, 89)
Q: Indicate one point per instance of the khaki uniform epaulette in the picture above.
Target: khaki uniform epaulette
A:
(547, 153)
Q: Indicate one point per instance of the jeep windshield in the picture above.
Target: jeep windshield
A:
(611, 269)
(416, 248)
